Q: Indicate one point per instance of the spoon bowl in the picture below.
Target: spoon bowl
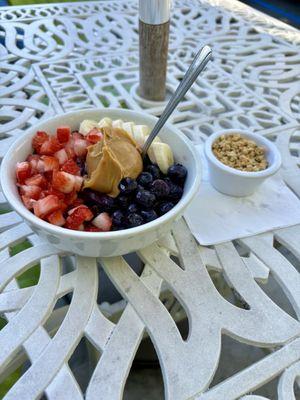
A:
(112, 243)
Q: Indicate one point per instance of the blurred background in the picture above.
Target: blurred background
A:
(286, 10)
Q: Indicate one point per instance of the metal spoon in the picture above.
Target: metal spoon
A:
(197, 65)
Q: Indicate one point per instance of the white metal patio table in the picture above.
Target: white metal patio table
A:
(56, 58)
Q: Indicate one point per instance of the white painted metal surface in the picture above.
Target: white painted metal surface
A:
(56, 58)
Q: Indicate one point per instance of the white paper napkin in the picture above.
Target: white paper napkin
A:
(215, 218)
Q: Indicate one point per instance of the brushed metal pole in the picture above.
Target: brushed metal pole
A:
(154, 22)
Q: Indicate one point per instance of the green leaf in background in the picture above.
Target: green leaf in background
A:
(31, 276)
(9, 382)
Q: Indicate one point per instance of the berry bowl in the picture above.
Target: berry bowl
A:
(95, 243)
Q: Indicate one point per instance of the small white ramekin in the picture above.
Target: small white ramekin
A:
(104, 244)
(234, 182)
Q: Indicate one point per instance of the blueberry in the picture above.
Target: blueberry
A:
(93, 198)
(123, 201)
(177, 173)
(96, 210)
(164, 207)
(118, 218)
(134, 219)
(149, 215)
(168, 180)
(144, 179)
(175, 192)
(132, 208)
(145, 198)
(118, 228)
(146, 160)
(127, 185)
(154, 171)
(160, 188)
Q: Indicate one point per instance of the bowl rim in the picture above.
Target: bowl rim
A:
(29, 216)
(259, 139)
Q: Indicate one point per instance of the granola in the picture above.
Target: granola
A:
(240, 153)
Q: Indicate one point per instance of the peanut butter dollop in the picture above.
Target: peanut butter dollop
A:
(114, 157)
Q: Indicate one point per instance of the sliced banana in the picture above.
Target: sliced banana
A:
(128, 127)
(87, 125)
(118, 123)
(144, 129)
(162, 155)
(105, 123)
(139, 133)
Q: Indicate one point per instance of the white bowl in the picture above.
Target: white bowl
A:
(232, 181)
(104, 244)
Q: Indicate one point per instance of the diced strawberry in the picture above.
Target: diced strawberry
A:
(62, 156)
(78, 182)
(73, 225)
(103, 222)
(94, 136)
(33, 160)
(80, 147)
(91, 228)
(46, 206)
(37, 180)
(71, 167)
(50, 146)
(72, 210)
(39, 138)
(23, 171)
(81, 212)
(77, 202)
(77, 216)
(77, 135)
(63, 133)
(48, 176)
(55, 192)
(70, 152)
(32, 157)
(37, 165)
(32, 191)
(40, 166)
(28, 202)
(56, 218)
(50, 163)
(69, 147)
(70, 198)
(63, 206)
(63, 181)
(50, 191)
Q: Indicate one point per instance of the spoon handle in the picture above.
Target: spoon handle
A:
(197, 65)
